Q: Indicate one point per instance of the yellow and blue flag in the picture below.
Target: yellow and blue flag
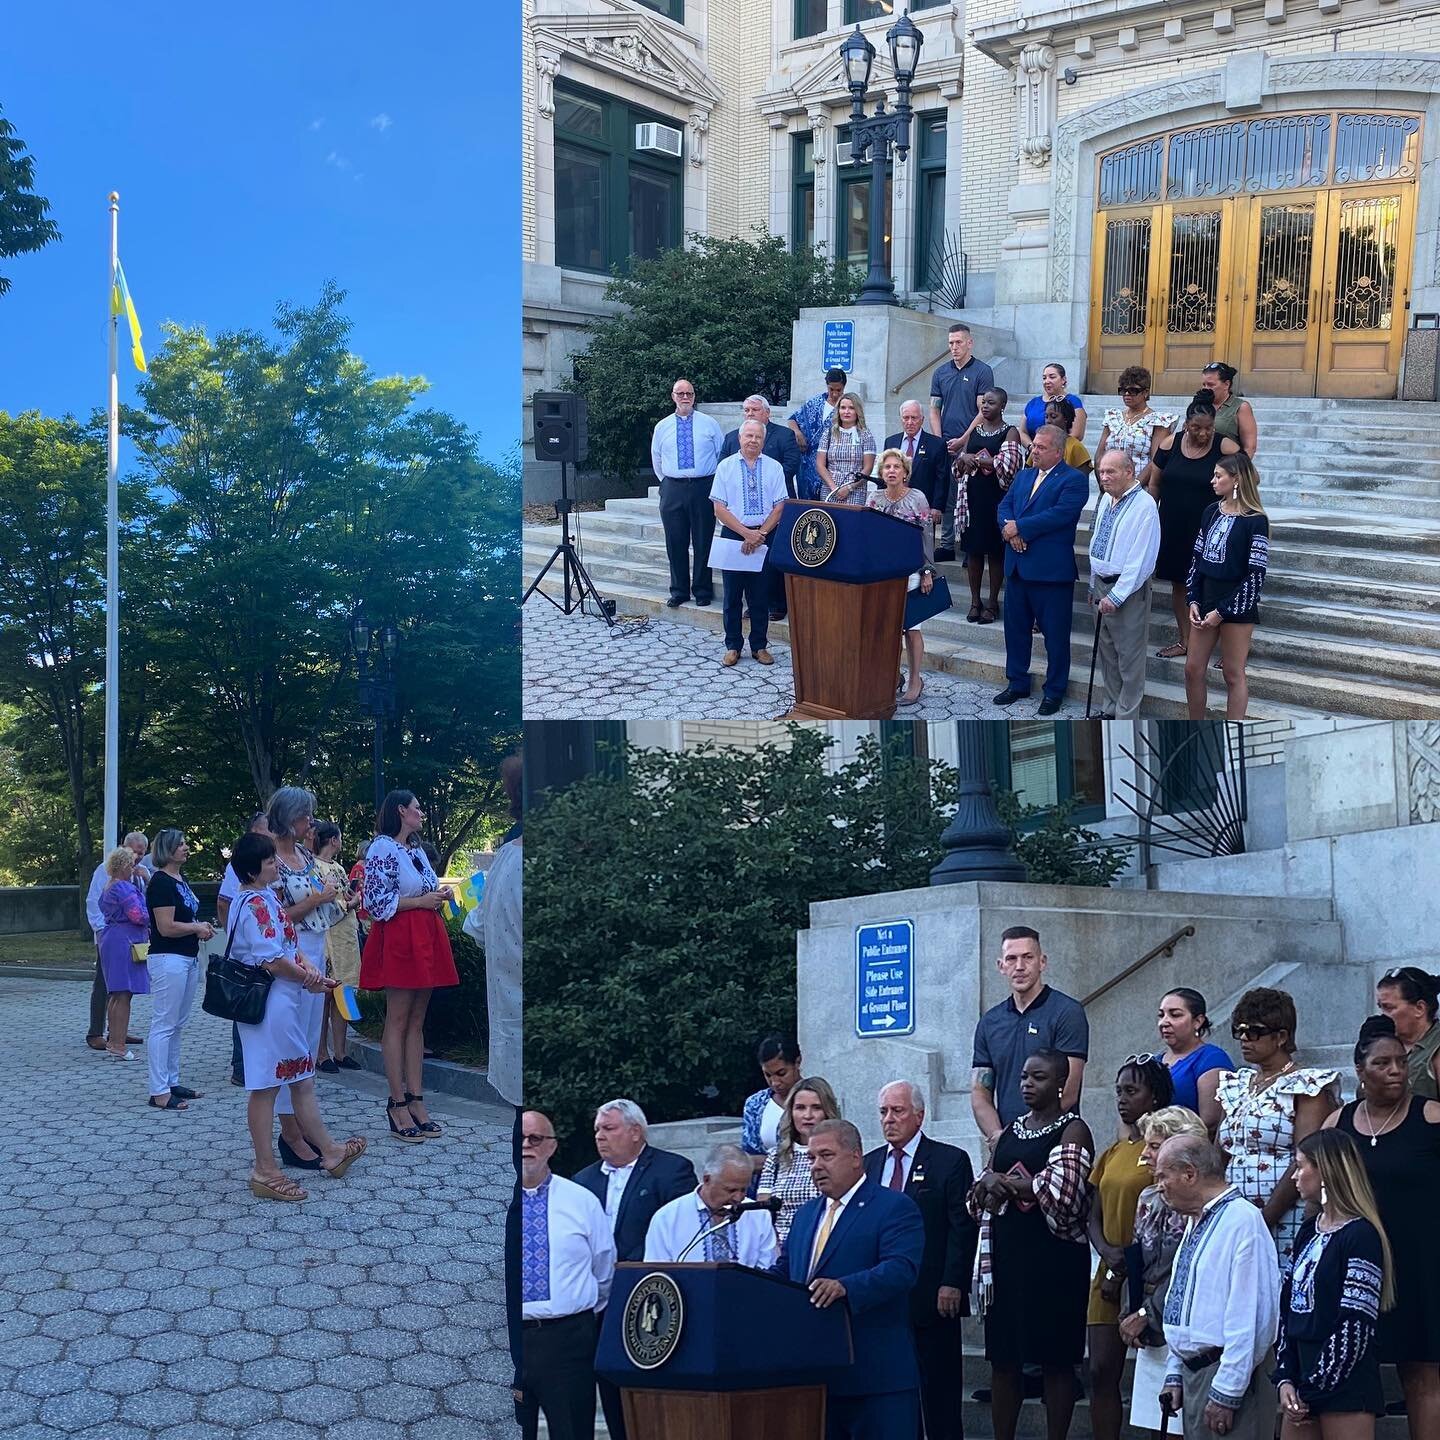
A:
(346, 1002)
(122, 304)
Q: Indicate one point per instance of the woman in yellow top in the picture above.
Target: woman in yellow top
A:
(1062, 413)
(1143, 1084)
(342, 949)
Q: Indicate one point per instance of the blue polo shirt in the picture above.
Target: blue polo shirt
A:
(1006, 1038)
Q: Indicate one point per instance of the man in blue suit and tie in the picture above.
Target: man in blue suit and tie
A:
(1038, 515)
(862, 1244)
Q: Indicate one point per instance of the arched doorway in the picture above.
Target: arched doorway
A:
(1281, 244)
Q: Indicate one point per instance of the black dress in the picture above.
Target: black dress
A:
(1041, 1282)
(982, 535)
(1328, 1308)
(1404, 1170)
(1184, 493)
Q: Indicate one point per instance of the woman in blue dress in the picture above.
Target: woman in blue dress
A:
(1195, 1064)
(811, 423)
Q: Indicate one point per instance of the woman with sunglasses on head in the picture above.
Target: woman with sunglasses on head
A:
(407, 955)
(1269, 1107)
(1398, 1133)
(1142, 1085)
(786, 1171)
(1134, 427)
(1234, 418)
(1408, 995)
(1327, 1370)
(1196, 1064)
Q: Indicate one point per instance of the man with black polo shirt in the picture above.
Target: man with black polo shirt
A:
(955, 391)
(1035, 1017)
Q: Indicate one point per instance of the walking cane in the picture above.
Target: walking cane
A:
(1165, 1413)
(1094, 651)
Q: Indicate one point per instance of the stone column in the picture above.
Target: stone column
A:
(824, 178)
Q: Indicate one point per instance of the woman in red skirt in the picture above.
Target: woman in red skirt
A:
(407, 955)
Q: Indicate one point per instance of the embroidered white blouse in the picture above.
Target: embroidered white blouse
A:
(394, 872)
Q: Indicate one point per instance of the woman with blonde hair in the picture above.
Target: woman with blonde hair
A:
(127, 924)
(786, 1171)
(1327, 1364)
(900, 500)
(847, 454)
(1227, 572)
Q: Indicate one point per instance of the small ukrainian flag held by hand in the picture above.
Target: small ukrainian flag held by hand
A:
(347, 1005)
(122, 304)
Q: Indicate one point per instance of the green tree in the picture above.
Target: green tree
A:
(1055, 849)
(719, 312)
(25, 223)
(661, 907)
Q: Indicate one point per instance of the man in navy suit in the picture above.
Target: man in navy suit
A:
(632, 1180)
(937, 1177)
(1038, 515)
(929, 459)
(862, 1244)
(779, 445)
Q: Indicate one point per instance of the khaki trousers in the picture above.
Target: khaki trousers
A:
(1122, 650)
(1254, 1420)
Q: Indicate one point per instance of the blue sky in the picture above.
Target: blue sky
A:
(259, 151)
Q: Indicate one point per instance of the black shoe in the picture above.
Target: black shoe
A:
(1009, 695)
(238, 1080)
(347, 1063)
(1396, 1407)
(777, 614)
(184, 1092)
(328, 1067)
(673, 604)
(290, 1158)
(942, 554)
(705, 601)
(1049, 705)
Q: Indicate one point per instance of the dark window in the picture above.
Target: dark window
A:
(671, 9)
(878, 9)
(1375, 147)
(853, 219)
(1045, 763)
(613, 201)
(802, 205)
(1288, 152)
(558, 755)
(930, 202)
(1132, 176)
(1207, 162)
(809, 17)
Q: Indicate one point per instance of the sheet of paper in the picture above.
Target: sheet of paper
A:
(727, 554)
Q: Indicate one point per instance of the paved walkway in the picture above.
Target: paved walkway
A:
(144, 1292)
(651, 669)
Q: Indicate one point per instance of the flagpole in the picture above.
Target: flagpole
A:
(111, 835)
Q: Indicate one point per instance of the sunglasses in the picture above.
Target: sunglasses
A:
(1139, 1059)
(1403, 972)
(1133, 390)
(1252, 1032)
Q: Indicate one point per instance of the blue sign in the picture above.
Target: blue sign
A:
(885, 978)
(839, 345)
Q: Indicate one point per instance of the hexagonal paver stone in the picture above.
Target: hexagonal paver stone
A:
(16, 1410)
(52, 1302)
(274, 1320)
(240, 1406)
(57, 1378)
(278, 1373)
(434, 1372)
(208, 1320)
(169, 1346)
(321, 1405)
(77, 1410)
(242, 1345)
(345, 1319)
(385, 1344)
(456, 1340)
(126, 1377)
(15, 1325)
(448, 1427)
(180, 1298)
(405, 1404)
(202, 1376)
(137, 1324)
(70, 1324)
(157, 1409)
(364, 1430)
(314, 1345)
(478, 1401)
(32, 1350)
(412, 1317)
(194, 1430)
(116, 1301)
(110, 1430)
(99, 1349)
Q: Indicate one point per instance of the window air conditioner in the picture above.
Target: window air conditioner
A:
(661, 139)
(842, 153)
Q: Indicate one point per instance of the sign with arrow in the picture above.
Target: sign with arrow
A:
(885, 978)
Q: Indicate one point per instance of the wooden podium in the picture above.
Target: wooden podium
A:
(846, 569)
(747, 1360)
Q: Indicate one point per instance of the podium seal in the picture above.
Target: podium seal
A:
(654, 1315)
(812, 540)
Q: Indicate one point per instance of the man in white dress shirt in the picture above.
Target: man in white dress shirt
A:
(1223, 1306)
(1124, 545)
(567, 1263)
(684, 451)
(749, 1241)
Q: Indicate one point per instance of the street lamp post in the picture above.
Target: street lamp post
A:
(977, 843)
(876, 134)
(375, 653)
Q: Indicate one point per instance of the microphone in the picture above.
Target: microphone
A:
(772, 1205)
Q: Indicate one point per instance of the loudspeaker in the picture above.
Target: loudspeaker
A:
(559, 426)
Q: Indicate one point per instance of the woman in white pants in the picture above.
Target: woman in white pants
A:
(310, 903)
(176, 931)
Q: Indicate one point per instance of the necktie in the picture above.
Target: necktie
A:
(685, 441)
(909, 447)
(897, 1173)
(535, 1243)
(1040, 476)
(823, 1235)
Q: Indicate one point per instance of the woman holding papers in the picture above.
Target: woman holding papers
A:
(904, 503)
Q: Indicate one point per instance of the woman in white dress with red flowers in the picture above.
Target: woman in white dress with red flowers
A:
(278, 1051)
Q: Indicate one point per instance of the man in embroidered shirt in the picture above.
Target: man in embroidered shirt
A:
(684, 451)
(748, 1241)
(748, 496)
(1124, 545)
(567, 1262)
(1223, 1306)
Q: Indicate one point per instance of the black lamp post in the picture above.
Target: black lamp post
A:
(876, 134)
(375, 653)
(976, 841)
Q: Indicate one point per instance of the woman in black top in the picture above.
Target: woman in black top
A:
(1398, 1133)
(1327, 1367)
(1227, 571)
(988, 459)
(176, 931)
(1179, 477)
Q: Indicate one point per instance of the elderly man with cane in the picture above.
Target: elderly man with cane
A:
(1124, 544)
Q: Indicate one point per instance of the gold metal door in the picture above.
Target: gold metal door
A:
(1191, 320)
(1121, 288)
(1280, 283)
(1366, 290)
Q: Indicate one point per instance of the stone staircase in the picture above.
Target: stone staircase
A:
(1351, 611)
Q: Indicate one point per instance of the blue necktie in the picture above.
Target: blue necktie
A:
(685, 441)
(535, 1243)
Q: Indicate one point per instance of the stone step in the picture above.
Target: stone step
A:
(1399, 482)
(1325, 497)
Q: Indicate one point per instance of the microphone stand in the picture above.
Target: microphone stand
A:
(706, 1234)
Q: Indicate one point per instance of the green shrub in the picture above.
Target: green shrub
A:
(1054, 849)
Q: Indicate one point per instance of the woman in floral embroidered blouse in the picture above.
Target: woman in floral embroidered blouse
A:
(277, 1050)
(1134, 427)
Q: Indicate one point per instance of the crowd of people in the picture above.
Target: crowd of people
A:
(1179, 502)
(1258, 1245)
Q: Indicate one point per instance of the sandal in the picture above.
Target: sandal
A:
(185, 1093)
(410, 1133)
(429, 1129)
(1173, 651)
(988, 616)
(975, 612)
(172, 1102)
(354, 1149)
(281, 1189)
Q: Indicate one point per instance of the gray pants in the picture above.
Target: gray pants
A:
(1122, 650)
(1254, 1420)
(98, 996)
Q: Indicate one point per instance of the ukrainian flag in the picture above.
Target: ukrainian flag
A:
(122, 304)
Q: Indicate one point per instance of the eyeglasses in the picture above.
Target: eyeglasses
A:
(535, 1139)
(1132, 390)
(1139, 1059)
(1403, 972)
(1252, 1032)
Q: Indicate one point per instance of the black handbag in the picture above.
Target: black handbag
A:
(234, 991)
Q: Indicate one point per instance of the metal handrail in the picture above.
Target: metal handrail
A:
(1165, 947)
(923, 370)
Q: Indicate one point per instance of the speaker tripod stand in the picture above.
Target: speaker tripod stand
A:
(577, 577)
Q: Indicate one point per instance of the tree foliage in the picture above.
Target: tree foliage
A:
(718, 311)
(1055, 849)
(661, 906)
(25, 223)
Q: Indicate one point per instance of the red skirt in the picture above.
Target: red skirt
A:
(410, 952)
